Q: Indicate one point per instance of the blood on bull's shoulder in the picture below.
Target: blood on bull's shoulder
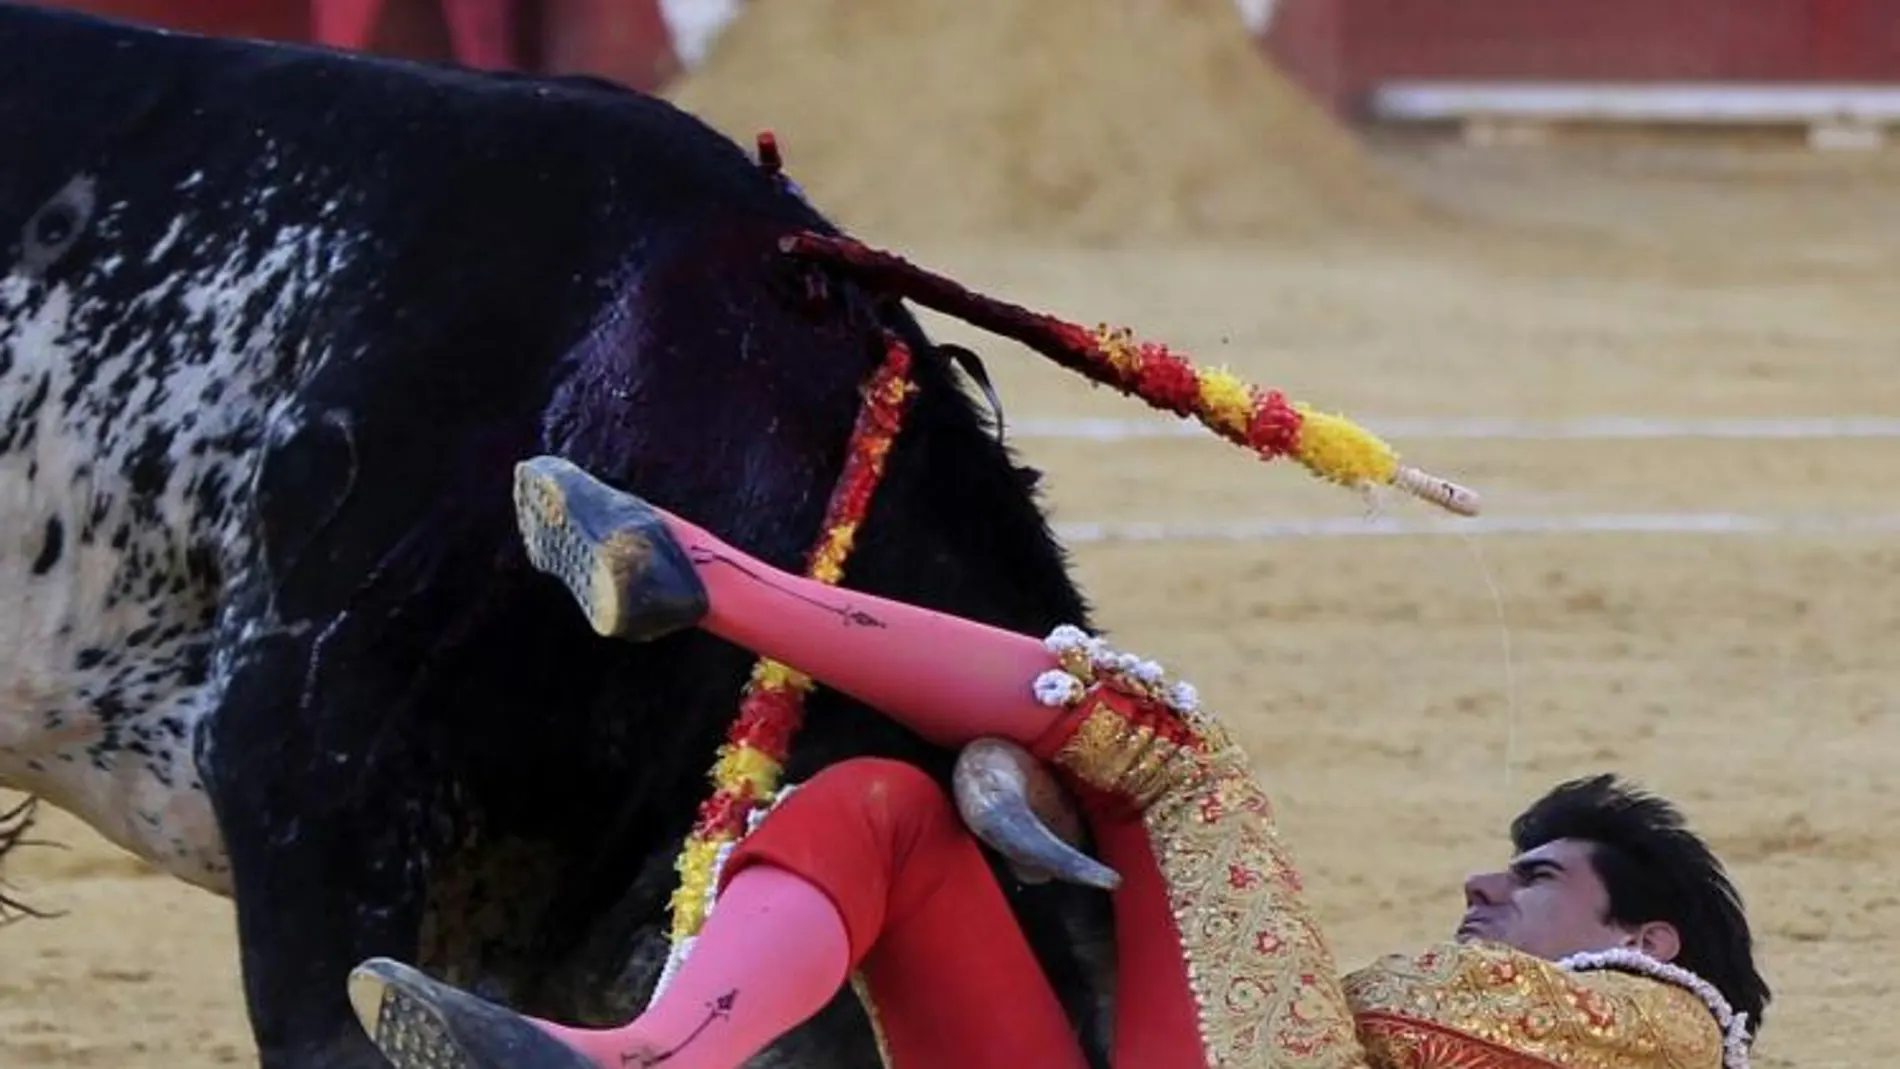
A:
(275, 324)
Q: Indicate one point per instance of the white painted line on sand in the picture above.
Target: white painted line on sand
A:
(1666, 523)
(1499, 428)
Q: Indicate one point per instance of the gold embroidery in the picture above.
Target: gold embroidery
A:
(862, 989)
(1126, 760)
(1262, 977)
(1413, 1009)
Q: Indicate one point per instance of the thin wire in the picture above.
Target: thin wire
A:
(1375, 499)
(1510, 667)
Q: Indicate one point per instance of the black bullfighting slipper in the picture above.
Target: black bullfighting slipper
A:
(419, 1023)
(609, 548)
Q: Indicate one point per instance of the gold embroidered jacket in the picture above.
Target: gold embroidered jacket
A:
(1483, 1006)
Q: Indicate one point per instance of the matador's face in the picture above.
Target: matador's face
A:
(1550, 902)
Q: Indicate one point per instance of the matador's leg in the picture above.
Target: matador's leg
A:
(1221, 963)
(639, 571)
(865, 868)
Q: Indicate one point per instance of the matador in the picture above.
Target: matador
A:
(1613, 939)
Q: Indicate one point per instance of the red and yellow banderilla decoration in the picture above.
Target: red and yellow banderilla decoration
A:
(1331, 447)
(750, 763)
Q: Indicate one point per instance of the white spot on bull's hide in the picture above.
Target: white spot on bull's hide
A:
(131, 402)
(163, 245)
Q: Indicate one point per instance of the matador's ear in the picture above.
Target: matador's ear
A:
(1658, 939)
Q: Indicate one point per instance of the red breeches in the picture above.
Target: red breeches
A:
(952, 982)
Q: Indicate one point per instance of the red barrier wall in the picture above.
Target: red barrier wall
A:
(1340, 49)
(1337, 49)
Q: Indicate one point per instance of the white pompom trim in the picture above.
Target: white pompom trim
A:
(1087, 659)
(1066, 638)
(1058, 688)
(1734, 1025)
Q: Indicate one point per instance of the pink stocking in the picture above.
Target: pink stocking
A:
(948, 679)
(777, 955)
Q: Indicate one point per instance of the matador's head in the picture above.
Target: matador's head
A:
(1600, 866)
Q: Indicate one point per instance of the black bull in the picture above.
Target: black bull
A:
(404, 279)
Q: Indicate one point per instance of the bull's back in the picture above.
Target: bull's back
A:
(450, 181)
(213, 244)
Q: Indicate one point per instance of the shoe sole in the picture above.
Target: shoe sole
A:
(593, 539)
(410, 1030)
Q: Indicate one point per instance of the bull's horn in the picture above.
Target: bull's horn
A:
(998, 785)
